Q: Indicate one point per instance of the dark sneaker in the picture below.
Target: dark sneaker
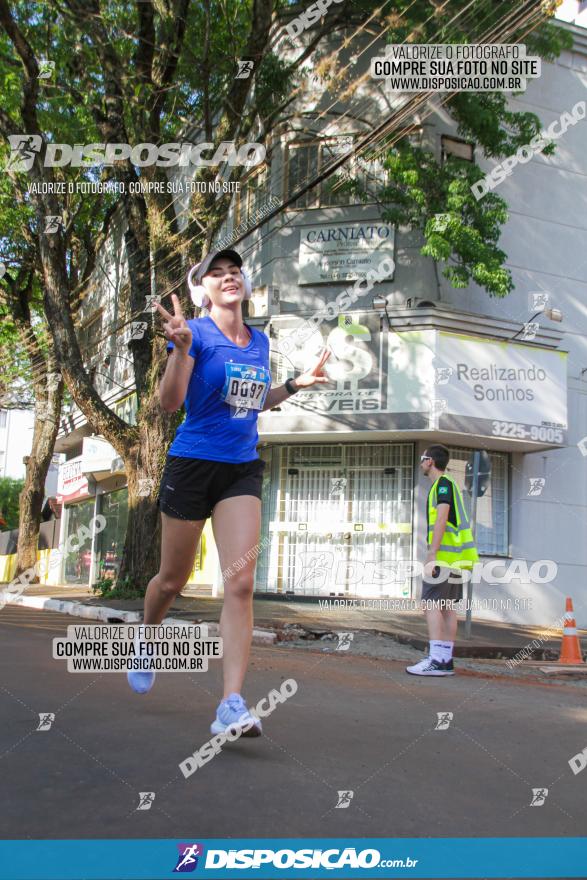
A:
(449, 666)
(428, 666)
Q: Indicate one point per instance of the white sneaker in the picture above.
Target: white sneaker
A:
(428, 666)
(141, 681)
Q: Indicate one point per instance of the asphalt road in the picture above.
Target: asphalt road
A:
(355, 724)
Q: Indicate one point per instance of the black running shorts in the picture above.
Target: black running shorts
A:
(191, 487)
(441, 587)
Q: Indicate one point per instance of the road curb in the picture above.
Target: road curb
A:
(102, 612)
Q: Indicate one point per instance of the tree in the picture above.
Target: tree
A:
(129, 74)
(29, 377)
(47, 387)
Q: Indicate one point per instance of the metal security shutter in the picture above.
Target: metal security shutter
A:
(492, 509)
(339, 520)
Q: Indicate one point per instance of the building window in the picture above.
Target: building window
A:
(492, 508)
(89, 337)
(126, 409)
(306, 160)
(450, 146)
(254, 193)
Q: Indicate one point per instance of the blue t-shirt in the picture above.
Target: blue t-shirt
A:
(226, 392)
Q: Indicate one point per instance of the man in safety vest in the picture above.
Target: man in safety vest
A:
(450, 549)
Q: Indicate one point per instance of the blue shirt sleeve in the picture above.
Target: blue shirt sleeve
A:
(196, 345)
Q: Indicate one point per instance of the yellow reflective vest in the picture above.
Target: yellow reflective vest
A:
(458, 547)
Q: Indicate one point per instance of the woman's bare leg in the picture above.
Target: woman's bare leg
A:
(237, 523)
(179, 541)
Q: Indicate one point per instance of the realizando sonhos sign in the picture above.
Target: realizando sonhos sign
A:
(424, 380)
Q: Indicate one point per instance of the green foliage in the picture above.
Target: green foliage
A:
(9, 492)
(106, 588)
(437, 199)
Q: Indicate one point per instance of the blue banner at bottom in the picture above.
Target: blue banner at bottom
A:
(285, 858)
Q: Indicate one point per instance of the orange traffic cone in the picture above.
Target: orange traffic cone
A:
(571, 646)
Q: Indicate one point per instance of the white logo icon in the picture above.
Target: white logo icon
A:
(582, 444)
(245, 68)
(337, 487)
(137, 329)
(539, 795)
(444, 719)
(537, 300)
(146, 799)
(441, 222)
(22, 151)
(151, 299)
(537, 484)
(46, 719)
(46, 69)
(344, 799)
(344, 641)
(442, 375)
(530, 330)
(53, 223)
(146, 486)
(439, 405)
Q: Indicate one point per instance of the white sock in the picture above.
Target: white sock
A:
(436, 650)
(447, 649)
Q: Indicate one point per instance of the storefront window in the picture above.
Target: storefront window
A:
(110, 541)
(78, 561)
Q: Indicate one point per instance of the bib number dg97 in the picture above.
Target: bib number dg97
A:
(246, 389)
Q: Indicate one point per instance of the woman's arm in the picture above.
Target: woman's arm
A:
(278, 395)
(180, 364)
(313, 376)
(175, 381)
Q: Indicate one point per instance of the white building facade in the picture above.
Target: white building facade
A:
(415, 361)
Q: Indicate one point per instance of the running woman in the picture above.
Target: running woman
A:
(218, 366)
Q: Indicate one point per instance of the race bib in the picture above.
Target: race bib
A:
(246, 387)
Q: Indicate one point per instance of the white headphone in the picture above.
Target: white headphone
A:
(199, 294)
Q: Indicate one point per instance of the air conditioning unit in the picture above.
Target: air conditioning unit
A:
(264, 301)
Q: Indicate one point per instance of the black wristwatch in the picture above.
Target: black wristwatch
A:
(289, 388)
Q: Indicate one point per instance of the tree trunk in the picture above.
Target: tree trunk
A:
(46, 426)
(144, 465)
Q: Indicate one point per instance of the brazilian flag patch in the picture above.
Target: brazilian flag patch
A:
(443, 490)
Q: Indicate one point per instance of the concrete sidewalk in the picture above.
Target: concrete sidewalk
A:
(295, 620)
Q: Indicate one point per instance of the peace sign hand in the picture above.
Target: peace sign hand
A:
(314, 375)
(176, 328)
